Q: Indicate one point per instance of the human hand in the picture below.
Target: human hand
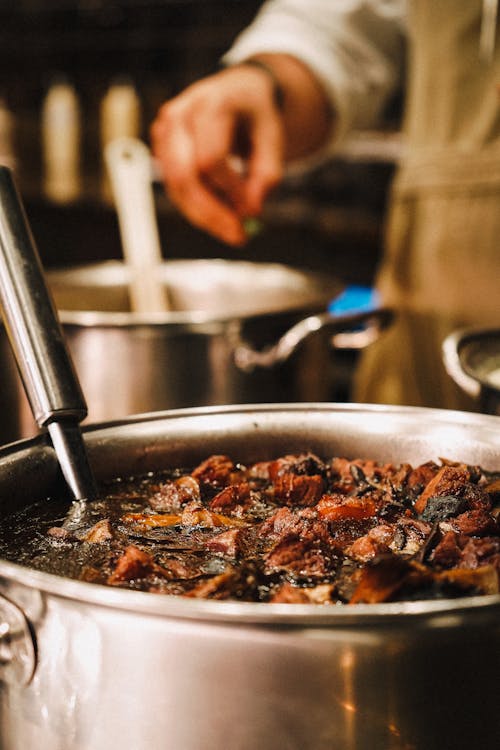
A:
(220, 149)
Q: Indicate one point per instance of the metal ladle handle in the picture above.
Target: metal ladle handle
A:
(37, 341)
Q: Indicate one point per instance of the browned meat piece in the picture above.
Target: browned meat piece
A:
(171, 495)
(286, 521)
(448, 553)
(481, 551)
(420, 476)
(152, 520)
(100, 532)
(174, 568)
(230, 497)
(474, 522)
(90, 574)
(382, 578)
(460, 551)
(341, 508)
(376, 542)
(61, 534)
(259, 470)
(302, 524)
(231, 543)
(222, 586)
(410, 535)
(348, 476)
(300, 557)
(448, 481)
(132, 564)
(298, 489)
(215, 471)
(195, 514)
(492, 489)
(305, 464)
(290, 594)
(454, 481)
(483, 580)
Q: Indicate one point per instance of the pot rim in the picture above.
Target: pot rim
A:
(109, 272)
(437, 613)
(429, 613)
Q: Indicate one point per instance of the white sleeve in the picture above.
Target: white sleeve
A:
(354, 47)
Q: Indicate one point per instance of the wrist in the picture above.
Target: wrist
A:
(278, 92)
(277, 88)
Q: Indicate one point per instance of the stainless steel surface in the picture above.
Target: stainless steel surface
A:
(472, 358)
(238, 332)
(68, 443)
(37, 339)
(121, 668)
(17, 648)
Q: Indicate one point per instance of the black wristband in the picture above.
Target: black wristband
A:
(278, 91)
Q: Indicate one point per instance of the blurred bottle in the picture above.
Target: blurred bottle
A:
(7, 157)
(61, 137)
(120, 116)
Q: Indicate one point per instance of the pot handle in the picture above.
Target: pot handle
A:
(349, 331)
(453, 364)
(17, 647)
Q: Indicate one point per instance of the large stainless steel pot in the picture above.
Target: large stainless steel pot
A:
(238, 332)
(92, 668)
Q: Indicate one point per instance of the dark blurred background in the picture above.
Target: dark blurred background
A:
(330, 218)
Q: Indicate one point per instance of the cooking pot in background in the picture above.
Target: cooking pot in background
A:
(472, 358)
(237, 332)
(90, 667)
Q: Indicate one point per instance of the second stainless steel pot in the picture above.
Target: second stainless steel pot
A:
(88, 667)
(472, 358)
(238, 332)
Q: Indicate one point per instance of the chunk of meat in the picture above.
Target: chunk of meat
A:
(420, 476)
(230, 497)
(216, 470)
(287, 593)
(454, 481)
(477, 522)
(341, 508)
(99, 533)
(304, 464)
(172, 495)
(481, 551)
(376, 542)
(482, 580)
(351, 475)
(195, 514)
(231, 543)
(300, 557)
(61, 534)
(448, 552)
(133, 563)
(382, 578)
(302, 523)
(231, 583)
(298, 489)
(410, 536)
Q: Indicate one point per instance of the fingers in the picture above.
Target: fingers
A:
(265, 163)
(189, 188)
(194, 138)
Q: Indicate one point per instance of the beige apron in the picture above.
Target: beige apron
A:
(441, 270)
